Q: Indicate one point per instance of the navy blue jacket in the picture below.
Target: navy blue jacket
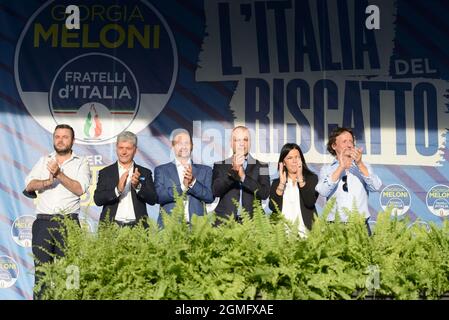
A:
(166, 176)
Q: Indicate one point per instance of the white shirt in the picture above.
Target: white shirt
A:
(57, 199)
(180, 169)
(291, 206)
(358, 189)
(125, 209)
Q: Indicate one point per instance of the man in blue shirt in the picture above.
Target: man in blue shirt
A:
(347, 178)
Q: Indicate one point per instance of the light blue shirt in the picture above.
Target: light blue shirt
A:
(358, 185)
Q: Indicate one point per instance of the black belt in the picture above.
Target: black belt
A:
(332, 221)
(125, 224)
(43, 216)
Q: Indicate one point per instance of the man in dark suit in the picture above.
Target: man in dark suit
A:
(190, 179)
(124, 188)
(239, 178)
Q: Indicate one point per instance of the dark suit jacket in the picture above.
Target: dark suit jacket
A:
(226, 185)
(105, 192)
(166, 176)
(307, 195)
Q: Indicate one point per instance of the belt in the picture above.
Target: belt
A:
(125, 224)
(43, 216)
(345, 222)
(332, 221)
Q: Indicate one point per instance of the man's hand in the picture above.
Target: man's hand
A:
(237, 161)
(122, 181)
(50, 180)
(345, 159)
(188, 176)
(135, 178)
(53, 168)
(356, 154)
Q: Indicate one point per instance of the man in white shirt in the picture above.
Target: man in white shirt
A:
(60, 179)
(125, 188)
(347, 178)
(191, 180)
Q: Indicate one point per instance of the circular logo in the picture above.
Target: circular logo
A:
(21, 230)
(396, 197)
(115, 73)
(9, 272)
(437, 200)
(107, 103)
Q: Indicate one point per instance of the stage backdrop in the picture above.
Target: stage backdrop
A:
(289, 70)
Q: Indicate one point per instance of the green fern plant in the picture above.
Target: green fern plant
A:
(260, 258)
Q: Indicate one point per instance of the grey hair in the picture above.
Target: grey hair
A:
(177, 132)
(240, 128)
(127, 136)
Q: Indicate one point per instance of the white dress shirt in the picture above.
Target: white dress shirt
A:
(180, 169)
(358, 189)
(125, 209)
(291, 206)
(57, 199)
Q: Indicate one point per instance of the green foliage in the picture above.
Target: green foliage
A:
(261, 258)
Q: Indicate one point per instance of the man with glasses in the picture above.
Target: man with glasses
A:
(347, 178)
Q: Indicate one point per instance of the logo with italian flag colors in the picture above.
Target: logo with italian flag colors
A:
(92, 125)
(108, 96)
(114, 75)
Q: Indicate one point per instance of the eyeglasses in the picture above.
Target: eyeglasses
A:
(345, 183)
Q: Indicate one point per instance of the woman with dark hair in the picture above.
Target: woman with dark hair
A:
(294, 191)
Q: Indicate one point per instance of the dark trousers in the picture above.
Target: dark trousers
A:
(368, 227)
(47, 241)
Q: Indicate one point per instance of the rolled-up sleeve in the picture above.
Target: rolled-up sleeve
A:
(373, 182)
(36, 172)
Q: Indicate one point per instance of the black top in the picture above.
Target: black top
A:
(226, 185)
(307, 195)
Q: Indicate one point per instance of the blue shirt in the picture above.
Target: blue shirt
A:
(358, 188)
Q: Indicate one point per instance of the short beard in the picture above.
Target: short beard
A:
(63, 152)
